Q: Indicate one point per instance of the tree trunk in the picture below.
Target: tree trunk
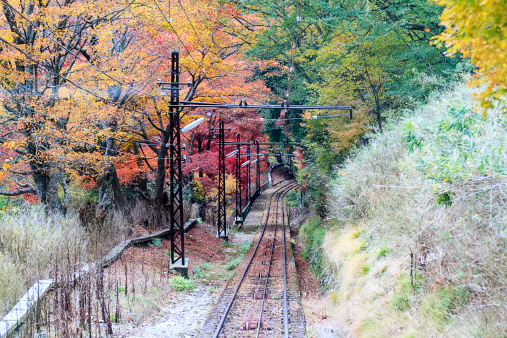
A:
(46, 178)
(158, 197)
(141, 179)
(110, 194)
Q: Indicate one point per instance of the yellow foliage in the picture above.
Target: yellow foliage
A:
(478, 30)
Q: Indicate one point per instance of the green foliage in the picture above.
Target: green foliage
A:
(4, 202)
(200, 270)
(441, 151)
(113, 318)
(205, 266)
(244, 247)
(180, 283)
(226, 244)
(373, 56)
(403, 294)
(226, 275)
(156, 242)
(293, 198)
(233, 263)
(382, 252)
(440, 305)
(194, 192)
(312, 233)
(456, 145)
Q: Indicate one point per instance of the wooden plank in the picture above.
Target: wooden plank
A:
(19, 312)
(37, 292)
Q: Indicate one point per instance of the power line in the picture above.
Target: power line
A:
(209, 53)
(249, 78)
(118, 81)
(261, 119)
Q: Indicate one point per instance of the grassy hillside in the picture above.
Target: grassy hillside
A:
(415, 246)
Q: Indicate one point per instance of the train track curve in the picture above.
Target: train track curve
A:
(261, 303)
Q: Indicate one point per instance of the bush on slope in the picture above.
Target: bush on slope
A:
(419, 249)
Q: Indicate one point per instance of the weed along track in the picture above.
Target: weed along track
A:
(264, 301)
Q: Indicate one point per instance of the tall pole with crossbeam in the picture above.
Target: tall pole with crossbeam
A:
(248, 192)
(239, 216)
(258, 167)
(221, 220)
(178, 260)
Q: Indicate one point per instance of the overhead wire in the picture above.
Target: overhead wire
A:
(209, 53)
(65, 134)
(121, 83)
(53, 117)
(197, 63)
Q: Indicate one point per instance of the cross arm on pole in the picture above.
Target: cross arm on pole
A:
(260, 106)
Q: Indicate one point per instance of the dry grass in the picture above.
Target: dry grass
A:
(33, 241)
(30, 243)
(404, 265)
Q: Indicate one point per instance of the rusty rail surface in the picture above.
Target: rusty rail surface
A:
(244, 312)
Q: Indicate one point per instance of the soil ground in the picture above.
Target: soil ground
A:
(152, 307)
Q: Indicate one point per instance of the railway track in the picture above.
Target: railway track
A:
(259, 304)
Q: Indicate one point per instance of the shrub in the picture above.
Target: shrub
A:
(430, 192)
(157, 242)
(180, 283)
(226, 244)
(233, 263)
(244, 247)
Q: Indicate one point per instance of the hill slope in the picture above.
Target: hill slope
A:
(415, 246)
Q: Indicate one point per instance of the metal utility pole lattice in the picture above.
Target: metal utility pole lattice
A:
(175, 173)
(221, 221)
(239, 216)
(248, 193)
(258, 173)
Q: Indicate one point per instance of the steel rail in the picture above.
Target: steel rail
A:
(281, 196)
(285, 307)
(238, 285)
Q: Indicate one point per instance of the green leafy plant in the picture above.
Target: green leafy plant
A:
(244, 247)
(226, 244)
(233, 263)
(200, 270)
(180, 283)
(382, 252)
(156, 242)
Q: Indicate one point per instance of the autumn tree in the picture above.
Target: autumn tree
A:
(211, 64)
(477, 30)
(81, 94)
(55, 95)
